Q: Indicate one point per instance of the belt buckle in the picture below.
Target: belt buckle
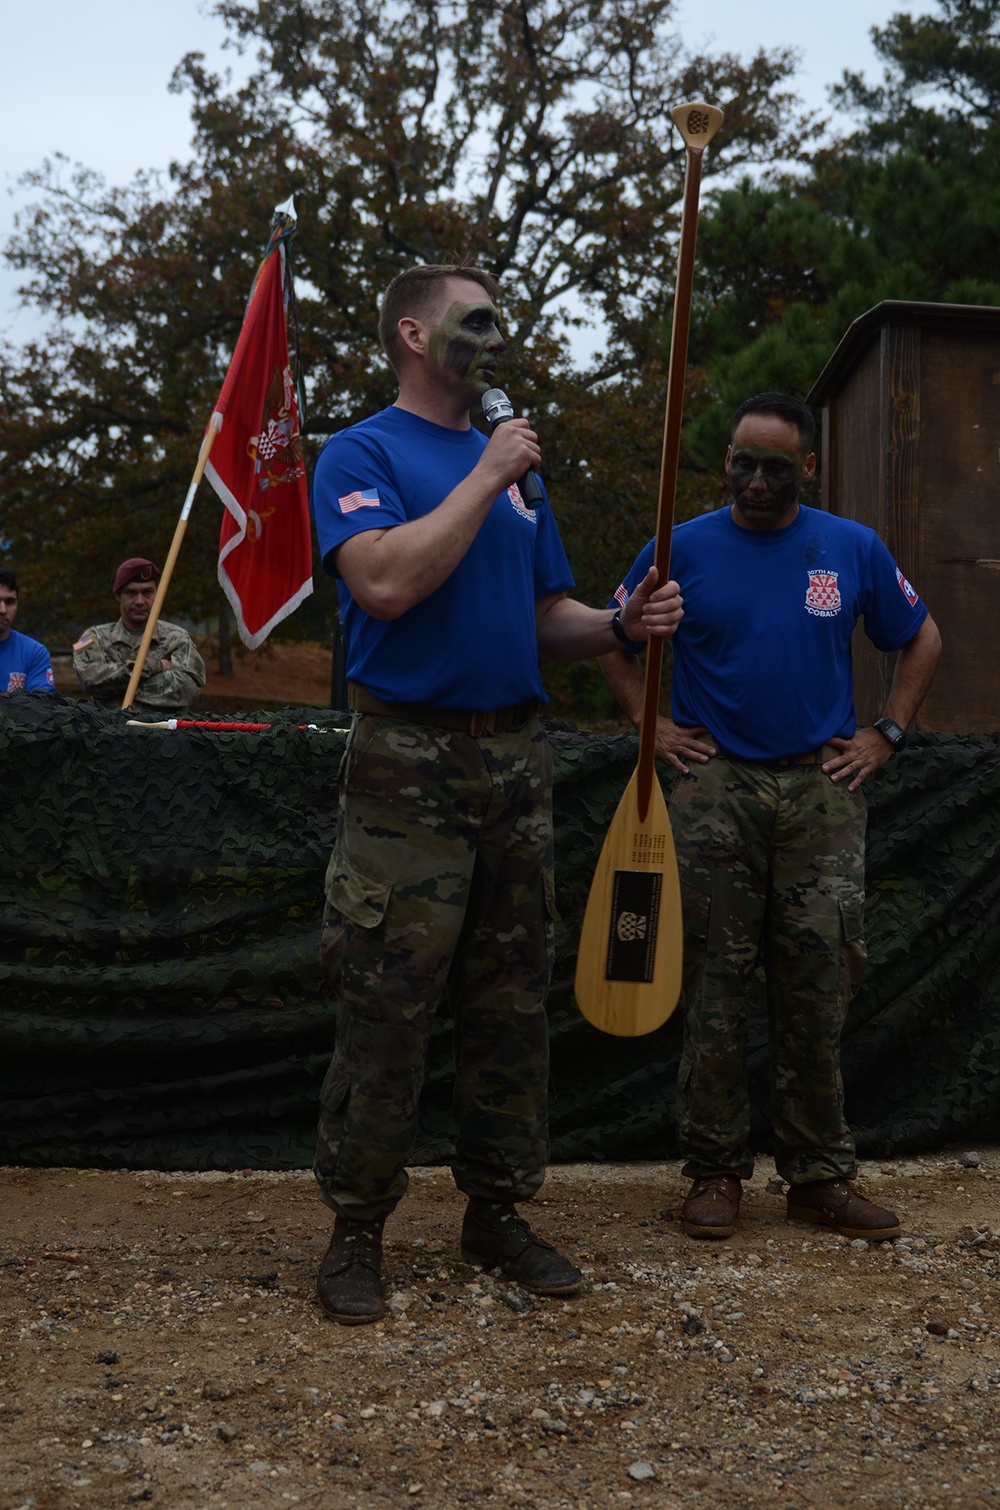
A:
(483, 721)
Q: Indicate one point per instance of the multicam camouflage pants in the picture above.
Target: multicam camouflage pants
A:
(439, 889)
(772, 874)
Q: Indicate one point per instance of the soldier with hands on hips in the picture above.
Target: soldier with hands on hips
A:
(768, 815)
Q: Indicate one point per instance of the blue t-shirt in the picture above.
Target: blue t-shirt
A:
(762, 656)
(25, 665)
(471, 643)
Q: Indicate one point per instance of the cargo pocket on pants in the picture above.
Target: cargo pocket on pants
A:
(352, 942)
(852, 923)
(333, 1091)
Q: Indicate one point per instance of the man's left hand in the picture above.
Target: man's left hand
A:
(866, 751)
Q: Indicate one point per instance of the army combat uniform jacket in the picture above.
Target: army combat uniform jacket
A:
(104, 655)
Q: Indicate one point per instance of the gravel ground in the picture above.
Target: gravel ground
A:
(161, 1345)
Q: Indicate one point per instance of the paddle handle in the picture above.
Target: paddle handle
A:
(697, 124)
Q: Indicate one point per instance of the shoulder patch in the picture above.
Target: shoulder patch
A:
(362, 498)
(88, 639)
(909, 592)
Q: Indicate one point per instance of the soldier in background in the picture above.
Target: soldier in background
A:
(25, 664)
(104, 655)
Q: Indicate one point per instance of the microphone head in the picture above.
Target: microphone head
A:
(497, 406)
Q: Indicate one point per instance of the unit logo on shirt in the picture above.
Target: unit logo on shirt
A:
(909, 592)
(823, 595)
(514, 494)
(16, 681)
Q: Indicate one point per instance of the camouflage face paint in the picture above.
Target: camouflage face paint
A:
(765, 484)
(466, 342)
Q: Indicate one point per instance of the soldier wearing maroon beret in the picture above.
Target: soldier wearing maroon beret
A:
(104, 655)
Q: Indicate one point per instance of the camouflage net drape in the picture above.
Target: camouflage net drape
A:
(160, 899)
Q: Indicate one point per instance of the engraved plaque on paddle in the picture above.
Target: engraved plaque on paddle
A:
(635, 917)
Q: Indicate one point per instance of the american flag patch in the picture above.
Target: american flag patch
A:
(621, 596)
(364, 498)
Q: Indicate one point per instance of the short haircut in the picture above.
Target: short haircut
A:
(783, 407)
(8, 579)
(414, 291)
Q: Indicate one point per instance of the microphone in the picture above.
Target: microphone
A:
(497, 409)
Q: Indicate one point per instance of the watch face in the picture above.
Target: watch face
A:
(892, 732)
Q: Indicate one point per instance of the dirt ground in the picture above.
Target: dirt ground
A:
(161, 1345)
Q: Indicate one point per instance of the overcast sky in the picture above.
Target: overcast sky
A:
(91, 80)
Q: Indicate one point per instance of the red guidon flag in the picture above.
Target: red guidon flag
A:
(257, 469)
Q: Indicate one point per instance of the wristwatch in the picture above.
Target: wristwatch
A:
(619, 632)
(891, 731)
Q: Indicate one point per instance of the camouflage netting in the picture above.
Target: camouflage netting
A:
(159, 907)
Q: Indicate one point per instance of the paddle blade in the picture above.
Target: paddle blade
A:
(628, 969)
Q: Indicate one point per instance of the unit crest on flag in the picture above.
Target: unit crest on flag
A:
(823, 595)
(276, 451)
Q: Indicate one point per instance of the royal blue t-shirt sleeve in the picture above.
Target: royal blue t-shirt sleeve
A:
(894, 611)
(552, 568)
(353, 491)
(40, 677)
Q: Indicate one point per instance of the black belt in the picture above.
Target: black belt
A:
(466, 720)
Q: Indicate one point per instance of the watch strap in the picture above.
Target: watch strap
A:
(618, 630)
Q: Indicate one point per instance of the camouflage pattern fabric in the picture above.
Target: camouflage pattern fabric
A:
(104, 655)
(161, 1004)
(771, 863)
(440, 885)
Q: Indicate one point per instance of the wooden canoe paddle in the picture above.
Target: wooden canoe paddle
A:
(628, 969)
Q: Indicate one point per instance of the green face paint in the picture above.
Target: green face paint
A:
(765, 484)
(466, 342)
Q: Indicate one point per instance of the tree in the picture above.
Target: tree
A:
(532, 136)
(906, 207)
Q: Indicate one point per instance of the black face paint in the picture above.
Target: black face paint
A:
(466, 342)
(765, 484)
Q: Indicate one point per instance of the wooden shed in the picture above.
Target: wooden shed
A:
(911, 447)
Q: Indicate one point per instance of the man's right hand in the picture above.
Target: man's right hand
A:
(512, 450)
(674, 742)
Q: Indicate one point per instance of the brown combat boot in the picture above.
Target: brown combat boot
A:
(836, 1204)
(350, 1277)
(495, 1235)
(712, 1205)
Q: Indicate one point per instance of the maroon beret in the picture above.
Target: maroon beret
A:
(135, 569)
